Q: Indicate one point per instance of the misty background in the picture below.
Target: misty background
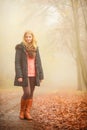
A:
(60, 27)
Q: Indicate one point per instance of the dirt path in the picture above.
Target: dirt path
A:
(59, 111)
(9, 112)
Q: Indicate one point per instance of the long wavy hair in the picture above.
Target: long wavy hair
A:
(33, 43)
(30, 48)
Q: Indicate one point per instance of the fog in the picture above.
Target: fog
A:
(51, 22)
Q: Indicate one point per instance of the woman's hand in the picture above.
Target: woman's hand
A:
(20, 79)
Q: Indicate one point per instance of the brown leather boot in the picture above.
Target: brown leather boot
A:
(22, 108)
(28, 108)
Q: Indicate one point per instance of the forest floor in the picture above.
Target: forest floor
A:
(54, 111)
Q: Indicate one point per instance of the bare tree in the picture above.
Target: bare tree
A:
(76, 50)
(84, 10)
(81, 68)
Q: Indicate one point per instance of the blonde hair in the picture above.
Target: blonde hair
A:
(34, 42)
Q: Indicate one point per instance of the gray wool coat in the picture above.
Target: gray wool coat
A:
(21, 67)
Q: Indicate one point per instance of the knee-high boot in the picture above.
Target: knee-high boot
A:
(22, 108)
(28, 108)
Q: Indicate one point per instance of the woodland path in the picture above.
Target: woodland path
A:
(56, 111)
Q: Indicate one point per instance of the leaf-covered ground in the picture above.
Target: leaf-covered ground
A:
(61, 111)
(57, 111)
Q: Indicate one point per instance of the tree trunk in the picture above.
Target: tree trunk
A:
(80, 60)
(84, 13)
(79, 87)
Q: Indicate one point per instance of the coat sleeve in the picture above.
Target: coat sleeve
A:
(41, 75)
(18, 66)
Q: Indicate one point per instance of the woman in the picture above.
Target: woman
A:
(28, 71)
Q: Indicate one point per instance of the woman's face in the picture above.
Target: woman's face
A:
(28, 38)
